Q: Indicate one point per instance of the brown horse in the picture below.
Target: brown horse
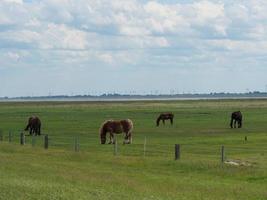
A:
(236, 117)
(116, 127)
(34, 124)
(165, 116)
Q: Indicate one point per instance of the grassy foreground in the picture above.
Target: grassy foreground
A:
(201, 127)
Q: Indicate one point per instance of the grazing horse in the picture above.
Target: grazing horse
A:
(236, 117)
(165, 116)
(34, 124)
(116, 127)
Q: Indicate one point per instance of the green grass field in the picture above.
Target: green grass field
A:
(200, 127)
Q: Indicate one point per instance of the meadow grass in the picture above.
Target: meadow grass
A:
(200, 127)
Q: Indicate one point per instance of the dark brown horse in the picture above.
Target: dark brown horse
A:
(236, 117)
(116, 127)
(165, 116)
(34, 125)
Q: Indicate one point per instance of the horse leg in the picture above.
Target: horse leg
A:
(111, 138)
(171, 121)
(163, 121)
(235, 124)
(130, 137)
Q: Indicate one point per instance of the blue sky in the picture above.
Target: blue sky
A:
(132, 46)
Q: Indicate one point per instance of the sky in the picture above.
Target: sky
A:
(71, 47)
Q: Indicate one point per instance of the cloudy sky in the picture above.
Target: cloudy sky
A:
(126, 46)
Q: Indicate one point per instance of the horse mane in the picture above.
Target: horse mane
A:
(102, 130)
(158, 119)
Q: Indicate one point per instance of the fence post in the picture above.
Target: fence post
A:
(76, 144)
(22, 138)
(9, 136)
(46, 141)
(177, 151)
(222, 154)
(145, 147)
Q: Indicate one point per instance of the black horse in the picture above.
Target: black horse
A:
(34, 124)
(236, 117)
(165, 116)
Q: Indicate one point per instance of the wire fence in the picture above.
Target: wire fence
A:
(142, 147)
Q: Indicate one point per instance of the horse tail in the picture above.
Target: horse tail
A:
(172, 116)
(158, 120)
(232, 120)
(130, 131)
(39, 129)
(130, 122)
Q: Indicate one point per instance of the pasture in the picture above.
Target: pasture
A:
(200, 127)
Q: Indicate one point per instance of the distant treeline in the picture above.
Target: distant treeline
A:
(148, 96)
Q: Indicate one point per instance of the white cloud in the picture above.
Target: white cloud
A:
(13, 1)
(12, 12)
(133, 33)
(62, 37)
(13, 56)
(206, 10)
(33, 23)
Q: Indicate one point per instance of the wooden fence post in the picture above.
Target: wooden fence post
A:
(46, 141)
(22, 138)
(222, 154)
(76, 144)
(9, 136)
(177, 151)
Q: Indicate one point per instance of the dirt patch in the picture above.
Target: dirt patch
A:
(239, 163)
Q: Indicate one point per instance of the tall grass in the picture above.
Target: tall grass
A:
(200, 127)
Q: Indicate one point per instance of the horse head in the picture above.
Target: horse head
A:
(103, 133)
(103, 139)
